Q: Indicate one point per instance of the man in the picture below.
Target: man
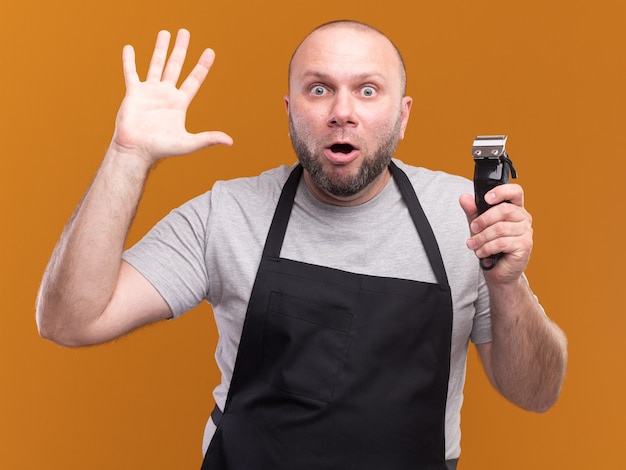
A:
(344, 303)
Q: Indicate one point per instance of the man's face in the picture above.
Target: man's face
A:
(346, 111)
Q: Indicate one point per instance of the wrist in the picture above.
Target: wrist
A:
(508, 286)
(135, 161)
(510, 298)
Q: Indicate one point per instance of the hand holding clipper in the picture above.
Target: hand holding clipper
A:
(492, 167)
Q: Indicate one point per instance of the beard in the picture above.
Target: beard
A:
(309, 154)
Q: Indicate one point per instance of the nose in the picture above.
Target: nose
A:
(342, 112)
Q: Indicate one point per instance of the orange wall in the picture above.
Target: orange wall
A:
(551, 75)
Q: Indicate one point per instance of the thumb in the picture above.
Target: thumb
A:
(207, 139)
(469, 206)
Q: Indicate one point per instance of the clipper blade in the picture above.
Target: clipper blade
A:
(489, 146)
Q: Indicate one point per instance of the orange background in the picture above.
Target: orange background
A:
(550, 74)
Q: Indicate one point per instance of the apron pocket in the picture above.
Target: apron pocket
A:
(303, 346)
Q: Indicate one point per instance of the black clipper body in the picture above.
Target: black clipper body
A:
(492, 167)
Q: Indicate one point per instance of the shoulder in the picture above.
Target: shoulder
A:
(245, 204)
(269, 182)
(438, 193)
(438, 183)
(244, 192)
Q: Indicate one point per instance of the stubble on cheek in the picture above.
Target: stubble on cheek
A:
(339, 180)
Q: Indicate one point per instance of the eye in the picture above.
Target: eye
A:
(368, 91)
(318, 90)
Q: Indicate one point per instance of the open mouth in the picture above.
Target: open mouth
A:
(341, 148)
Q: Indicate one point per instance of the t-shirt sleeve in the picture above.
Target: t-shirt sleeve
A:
(171, 256)
(481, 327)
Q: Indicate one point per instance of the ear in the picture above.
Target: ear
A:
(407, 102)
(287, 104)
(286, 98)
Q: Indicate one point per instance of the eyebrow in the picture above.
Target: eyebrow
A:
(361, 77)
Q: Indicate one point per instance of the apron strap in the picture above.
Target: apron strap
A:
(276, 234)
(216, 415)
(280, 221)
(451, 464)
(421, 223)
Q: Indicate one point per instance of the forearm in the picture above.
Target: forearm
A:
(82, 273)
(528, 354)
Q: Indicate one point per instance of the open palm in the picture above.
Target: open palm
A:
(151, 119)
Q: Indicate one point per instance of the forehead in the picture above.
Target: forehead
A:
(342, 52)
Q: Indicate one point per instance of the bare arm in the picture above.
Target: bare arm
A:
(527, 358)
(88, 294)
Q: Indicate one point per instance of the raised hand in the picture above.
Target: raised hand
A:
(151, 119)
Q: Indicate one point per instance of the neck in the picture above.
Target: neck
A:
(366, 194)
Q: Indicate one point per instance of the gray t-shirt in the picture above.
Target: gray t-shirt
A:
(210, 249)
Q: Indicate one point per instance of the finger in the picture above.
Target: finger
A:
(196, 77)
(506, 192)
(519, 247)
(177, 57)
(129, 66)
(500, 230)
(488, 249)
(155, 70)
(500, 213)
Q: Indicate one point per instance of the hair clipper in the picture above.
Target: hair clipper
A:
(492, 167)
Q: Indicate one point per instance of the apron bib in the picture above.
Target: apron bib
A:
(338, 370)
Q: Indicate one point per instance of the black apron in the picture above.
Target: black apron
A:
(337, 370)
